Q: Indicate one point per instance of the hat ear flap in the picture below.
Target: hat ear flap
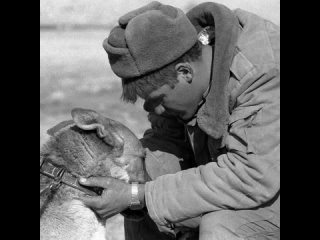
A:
(90, 120)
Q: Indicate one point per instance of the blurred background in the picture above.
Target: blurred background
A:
(74, 70)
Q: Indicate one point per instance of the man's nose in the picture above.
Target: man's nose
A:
(159, 109)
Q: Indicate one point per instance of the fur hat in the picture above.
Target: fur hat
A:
(149, 38)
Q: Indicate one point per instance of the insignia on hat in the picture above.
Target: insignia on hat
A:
(203, 36)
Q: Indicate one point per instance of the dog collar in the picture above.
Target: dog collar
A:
(61, 176)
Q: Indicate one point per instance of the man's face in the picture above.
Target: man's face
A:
(180, 101)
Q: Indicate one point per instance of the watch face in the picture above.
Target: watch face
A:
(135, 203)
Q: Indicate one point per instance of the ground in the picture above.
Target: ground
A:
(74, 72)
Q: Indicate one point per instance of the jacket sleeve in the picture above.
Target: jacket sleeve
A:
(246, 176)
(167, 150)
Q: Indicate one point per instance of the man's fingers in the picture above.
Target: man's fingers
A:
(103, 182)
(92, 202)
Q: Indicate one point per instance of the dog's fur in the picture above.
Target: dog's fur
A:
(88, 145)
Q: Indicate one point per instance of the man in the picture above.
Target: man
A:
(210, 80)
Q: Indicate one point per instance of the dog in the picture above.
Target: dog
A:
(88, 145)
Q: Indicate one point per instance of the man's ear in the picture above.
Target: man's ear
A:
(184, 72)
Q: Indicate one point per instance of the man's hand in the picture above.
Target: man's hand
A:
(115, 198)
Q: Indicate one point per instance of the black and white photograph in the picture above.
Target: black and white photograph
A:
(159, 120)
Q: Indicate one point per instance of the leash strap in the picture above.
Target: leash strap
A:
(61, 176)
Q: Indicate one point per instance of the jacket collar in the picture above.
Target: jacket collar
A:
(213, 116)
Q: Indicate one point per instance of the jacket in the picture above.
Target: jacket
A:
(239, 168)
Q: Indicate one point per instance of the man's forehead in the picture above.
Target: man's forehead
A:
(164, 89)
(149, 92)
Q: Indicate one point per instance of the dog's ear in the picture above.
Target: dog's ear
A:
(53, 131)
(87, 119)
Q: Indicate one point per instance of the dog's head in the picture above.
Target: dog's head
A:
(93, 145)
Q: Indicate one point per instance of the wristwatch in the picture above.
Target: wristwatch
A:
(135, 203)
